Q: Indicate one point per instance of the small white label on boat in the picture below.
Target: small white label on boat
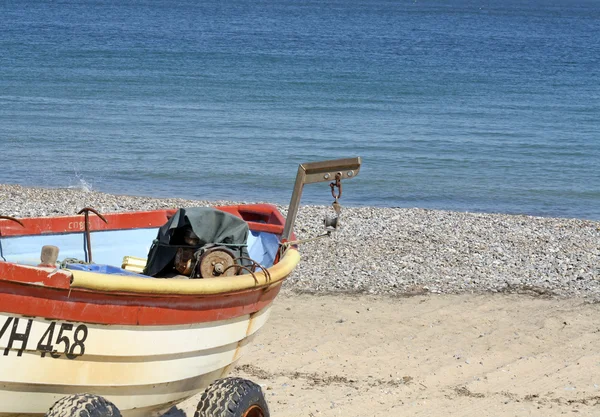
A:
(57, 339)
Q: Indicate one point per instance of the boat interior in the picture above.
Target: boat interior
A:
(121, 244)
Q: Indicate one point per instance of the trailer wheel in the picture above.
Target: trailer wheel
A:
(83, 405)
(232, 397)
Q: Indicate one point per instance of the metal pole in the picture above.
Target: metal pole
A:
(294, 204)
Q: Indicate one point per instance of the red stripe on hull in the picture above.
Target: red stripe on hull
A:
(41, 276)
(127, 309)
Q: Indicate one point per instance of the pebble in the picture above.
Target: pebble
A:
(396, 251)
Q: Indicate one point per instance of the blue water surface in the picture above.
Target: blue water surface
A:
(458, 104)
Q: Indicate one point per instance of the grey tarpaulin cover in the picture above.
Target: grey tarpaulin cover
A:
(209, 224)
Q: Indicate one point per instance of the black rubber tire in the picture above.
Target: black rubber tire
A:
(232, 397)
(83, 405)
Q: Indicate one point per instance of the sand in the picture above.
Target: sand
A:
(433, 355)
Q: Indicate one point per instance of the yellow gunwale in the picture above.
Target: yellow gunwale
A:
(130, 284)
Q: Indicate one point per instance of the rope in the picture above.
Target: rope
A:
(67, 261)
(310, 239)
(254, 266)
(285, 245)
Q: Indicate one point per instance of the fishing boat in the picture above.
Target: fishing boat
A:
(132, 312)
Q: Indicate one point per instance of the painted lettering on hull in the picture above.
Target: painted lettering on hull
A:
(57, 340)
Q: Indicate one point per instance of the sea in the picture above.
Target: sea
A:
(465, 105)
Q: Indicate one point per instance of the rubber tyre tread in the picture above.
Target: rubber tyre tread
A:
(231, 397)
(83, 405)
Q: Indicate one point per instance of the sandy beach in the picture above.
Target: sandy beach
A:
(448, 355)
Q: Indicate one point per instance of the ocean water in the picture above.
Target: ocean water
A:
(469, 105)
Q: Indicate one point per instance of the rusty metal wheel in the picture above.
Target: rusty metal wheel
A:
(255, 411)
(217, 262)
(232, 397)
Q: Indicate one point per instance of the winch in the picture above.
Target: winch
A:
(213, 262)
(199, 242)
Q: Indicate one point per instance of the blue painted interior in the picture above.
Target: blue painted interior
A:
(109, 247)
(262, 247)
(103, 269)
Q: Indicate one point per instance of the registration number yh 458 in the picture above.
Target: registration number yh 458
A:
(58, 338)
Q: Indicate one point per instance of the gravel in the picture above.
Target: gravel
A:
(397, 251)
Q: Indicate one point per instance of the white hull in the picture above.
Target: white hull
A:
(139, 368)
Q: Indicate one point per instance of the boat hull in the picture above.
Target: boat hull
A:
(138, 368)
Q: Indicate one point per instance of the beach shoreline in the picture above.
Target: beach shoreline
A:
(393, 251)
